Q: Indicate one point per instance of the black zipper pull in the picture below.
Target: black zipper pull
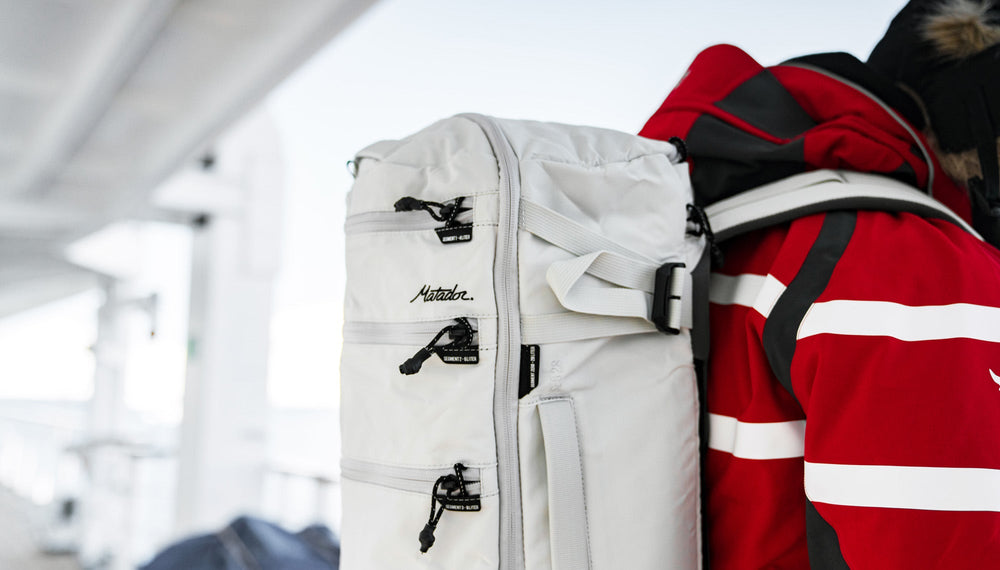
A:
(452, 231)
(411, 204)
(698, 217)
(449, 494)
(412, 365)
(460, 350)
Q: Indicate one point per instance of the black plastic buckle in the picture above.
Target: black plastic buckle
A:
(667, 293)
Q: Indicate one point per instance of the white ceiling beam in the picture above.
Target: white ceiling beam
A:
(118, 49)
(315, 26)
(28, 218)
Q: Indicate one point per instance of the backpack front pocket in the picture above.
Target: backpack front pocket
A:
(419, 469)
(388, 509)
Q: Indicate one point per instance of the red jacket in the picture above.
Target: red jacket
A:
(886, 327)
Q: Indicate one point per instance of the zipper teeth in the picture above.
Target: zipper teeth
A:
(892, 113)
(414, 479)
(389, 222)
(360, 471)
(385, 221)
(508, 337)
(406, 334)
(403, 477)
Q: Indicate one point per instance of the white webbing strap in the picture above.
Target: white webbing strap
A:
(568, 526)
(821, 191)
(632, 299)
(569, 327)
(634, 303)
(634, 273)
(566, 234)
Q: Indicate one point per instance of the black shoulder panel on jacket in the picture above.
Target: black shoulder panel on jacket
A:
(782, 326)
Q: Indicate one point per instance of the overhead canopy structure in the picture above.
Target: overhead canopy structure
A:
(101, 100)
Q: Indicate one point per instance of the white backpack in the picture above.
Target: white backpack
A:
(518, 383)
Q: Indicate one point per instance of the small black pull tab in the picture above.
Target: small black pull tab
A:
(427, 537)
(530, 360)
(413, 365)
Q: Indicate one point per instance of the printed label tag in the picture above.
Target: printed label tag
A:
(465, 355)
(455, 234)
(530, 358)
(467, 504)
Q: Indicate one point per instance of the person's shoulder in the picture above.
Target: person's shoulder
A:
(909, 259)
(872, 255)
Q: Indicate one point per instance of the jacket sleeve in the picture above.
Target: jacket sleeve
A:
(888, 337)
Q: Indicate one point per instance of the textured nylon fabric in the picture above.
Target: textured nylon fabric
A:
(568, 327)
(563, 276)
(609, 390)
(567, 234)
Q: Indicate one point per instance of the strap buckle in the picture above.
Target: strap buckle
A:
(667, 292)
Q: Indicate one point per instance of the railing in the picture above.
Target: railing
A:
(35, 467)
(33, 462)
(108, 500)
(64, 475)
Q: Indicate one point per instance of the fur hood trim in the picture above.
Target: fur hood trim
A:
(961, 28)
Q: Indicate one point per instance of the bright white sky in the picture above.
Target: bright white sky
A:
(402, 66)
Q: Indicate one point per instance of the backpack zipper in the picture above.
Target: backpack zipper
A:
(450, 493)
(461, 349)
(402, 334)
(505, 275)
(370, 222)
(452, 231)
(456, 488)
(479, 478)
(443, 212)
(411, 214)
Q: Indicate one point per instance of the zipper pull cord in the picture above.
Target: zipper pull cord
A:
(698, 217)
(460, 335)
(446, 213)
(415, 362)
(451, 484)
(427, 535)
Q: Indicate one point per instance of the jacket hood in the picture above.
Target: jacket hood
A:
(746, 125)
